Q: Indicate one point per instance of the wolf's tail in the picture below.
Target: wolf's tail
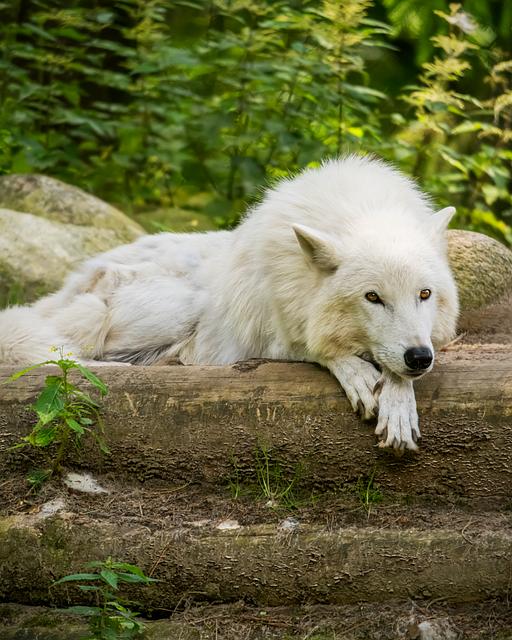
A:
(27, 338)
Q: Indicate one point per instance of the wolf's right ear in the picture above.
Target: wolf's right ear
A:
(442, 219)
(318, 248)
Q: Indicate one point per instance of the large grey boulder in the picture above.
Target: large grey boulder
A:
(46, 229)
(36, 254)
(482, 268)
(60, 202)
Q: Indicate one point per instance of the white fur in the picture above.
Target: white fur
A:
(289, 282)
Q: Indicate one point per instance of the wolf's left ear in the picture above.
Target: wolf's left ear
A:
(318, 248)
(441, 220)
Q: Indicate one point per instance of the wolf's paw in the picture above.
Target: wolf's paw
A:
(397, 426)
(358, 379)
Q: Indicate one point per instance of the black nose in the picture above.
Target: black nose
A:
(418, 358)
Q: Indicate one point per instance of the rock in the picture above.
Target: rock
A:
(83, 483)
(60, 202)
(47, 227)
(228, 525)
(289, 525)
(482, 268)
(440, 629)
(36, 254)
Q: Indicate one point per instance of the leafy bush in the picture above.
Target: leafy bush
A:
(196, 104)
(457, 142)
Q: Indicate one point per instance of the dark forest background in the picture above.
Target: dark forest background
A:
(187, 108)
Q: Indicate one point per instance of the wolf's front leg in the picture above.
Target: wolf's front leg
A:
(358, 379)
(397, 426)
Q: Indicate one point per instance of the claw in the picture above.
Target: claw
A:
(400, 450)
(383, 435)
(378, 387)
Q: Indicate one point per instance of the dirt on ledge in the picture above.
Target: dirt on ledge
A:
(391, 621)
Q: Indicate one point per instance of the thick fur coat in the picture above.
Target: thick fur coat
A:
(344, 265)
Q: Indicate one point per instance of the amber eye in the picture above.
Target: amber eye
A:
(371, 296)
(425, 294)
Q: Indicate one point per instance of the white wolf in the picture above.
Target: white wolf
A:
(344, 265)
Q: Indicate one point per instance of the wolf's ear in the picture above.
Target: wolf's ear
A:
(318, 248)
(441, 220)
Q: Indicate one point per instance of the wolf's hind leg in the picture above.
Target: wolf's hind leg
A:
(358, 379)
(397, 426)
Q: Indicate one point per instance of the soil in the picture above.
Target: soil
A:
(490, 620)
(155, 507)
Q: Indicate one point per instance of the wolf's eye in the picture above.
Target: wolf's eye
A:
(371, 296)
(425, 294)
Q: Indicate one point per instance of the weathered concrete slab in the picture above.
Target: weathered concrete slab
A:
(188, 424)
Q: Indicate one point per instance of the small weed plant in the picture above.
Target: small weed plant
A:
(110, 618)
(369, 494)
(270, 481)
(65, 413)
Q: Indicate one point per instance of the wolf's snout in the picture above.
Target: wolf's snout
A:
(418, 358)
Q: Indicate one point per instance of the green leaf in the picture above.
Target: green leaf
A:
(37, 477)
(95, 563)
(50, 399)
(74, 577)
(93, 379)
(42, 437)
(110, 577)
(38, 31)
(128, 568)
(132, 578)
(73, 424)
(23, 372)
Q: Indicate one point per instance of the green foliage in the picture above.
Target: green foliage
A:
(368, 492)
(110, 618)
(153, 101)
(268, 480)
(457, 142)
(64, 413)
(273, 482)
(195, 104)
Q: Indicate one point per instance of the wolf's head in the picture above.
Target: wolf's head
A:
(384, 290)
